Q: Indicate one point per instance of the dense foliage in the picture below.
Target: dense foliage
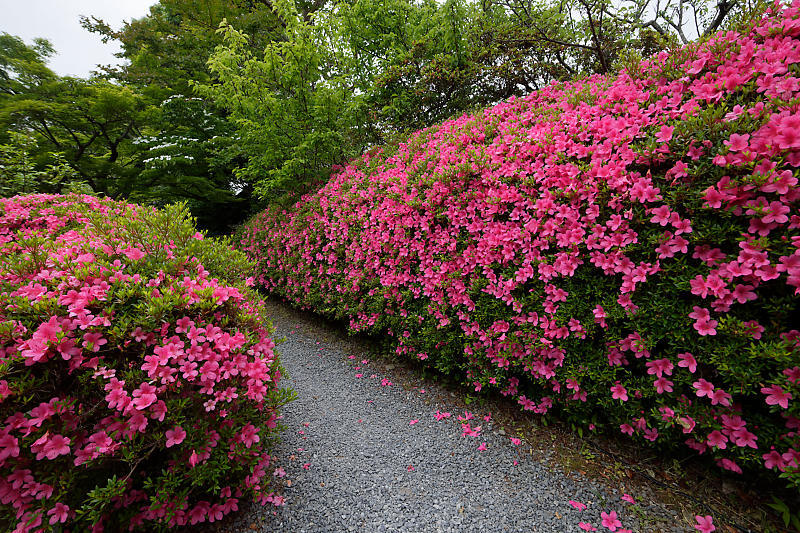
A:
(138, 381)
(230, 104)
(190, 149)
(353, 74)
(624, 249)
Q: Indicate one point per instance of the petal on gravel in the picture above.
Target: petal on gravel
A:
(577, 505)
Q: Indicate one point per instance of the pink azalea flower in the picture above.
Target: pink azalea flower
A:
(175, 436)
(628, 498)
(482, 447)
(706, 327)
(737, 142)
(717, 440)
(515, 441)
(586, 526)
(144, 396)
(776, 396)
(704, 388)
(788, 132)
(665, 134)
(792, 374)
(697, 66)
(610, 520)
(688, 362)
(687, 423)
(5, 390)
(618, 392)
(662, 385)
(50, 446)
(651, 434)
(94, 341)
(728, 464)
(721, 397)
(58, 514)
(249, 435)
(705, 524)
(413, 422)
(773, 460)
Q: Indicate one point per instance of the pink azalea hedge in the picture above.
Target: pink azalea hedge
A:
(137, 390)
(623, 249)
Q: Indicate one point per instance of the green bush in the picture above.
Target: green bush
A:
(138, 379)
(625, 250)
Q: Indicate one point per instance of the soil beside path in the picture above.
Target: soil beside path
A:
(363, 451)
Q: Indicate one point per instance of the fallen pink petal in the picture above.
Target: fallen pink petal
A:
(577, 505)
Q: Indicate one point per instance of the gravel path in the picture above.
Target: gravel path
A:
(364, 452)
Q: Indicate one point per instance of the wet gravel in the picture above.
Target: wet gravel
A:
(355, 460)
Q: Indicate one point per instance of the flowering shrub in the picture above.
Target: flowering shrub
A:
(137, 390)
(624, 249)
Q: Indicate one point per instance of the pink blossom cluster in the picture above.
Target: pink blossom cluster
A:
(625, 249)
(124, 364)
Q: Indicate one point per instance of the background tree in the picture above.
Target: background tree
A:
(228, 104)
(22, 66)
(297, 105)
(35, 154)
(190, 158)
(20, 175)
(190, 152)
(520, 45)
(169, 47)
(412, 58)
(92, 123)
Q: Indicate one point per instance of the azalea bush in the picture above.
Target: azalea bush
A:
(138, 378)
(622, 249)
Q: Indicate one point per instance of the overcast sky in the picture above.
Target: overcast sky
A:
(77, 50)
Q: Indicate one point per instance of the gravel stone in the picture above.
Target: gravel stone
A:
(369, 469)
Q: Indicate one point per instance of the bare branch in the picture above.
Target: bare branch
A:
(723, 8)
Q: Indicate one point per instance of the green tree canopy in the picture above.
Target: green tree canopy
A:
(191, 150)
(92, 123)
(228, 103)
(170, 46)
(296, 105)
(22, 66)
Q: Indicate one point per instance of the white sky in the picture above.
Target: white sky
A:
(77, 51)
